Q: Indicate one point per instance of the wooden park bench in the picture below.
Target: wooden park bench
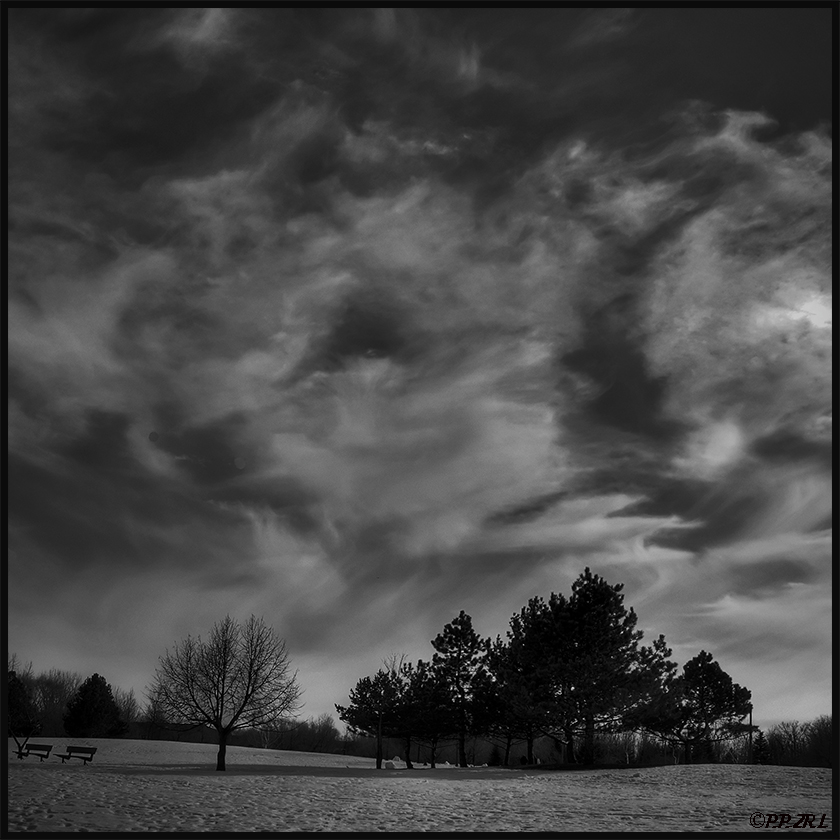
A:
(41, 750)
(85, 753)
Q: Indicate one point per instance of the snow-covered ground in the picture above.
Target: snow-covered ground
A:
(153, 786)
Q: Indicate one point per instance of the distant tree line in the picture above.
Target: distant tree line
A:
(808, 744)
(789, 743)
(571, 672)
(315, 734)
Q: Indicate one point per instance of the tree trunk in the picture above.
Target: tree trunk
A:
(529, 741)
(570, 746)
(21, 746)
(508, 745)
(220, 758)
(379, 743)
(588, 739)
(433, 747)
(408, 763)
(750, 753)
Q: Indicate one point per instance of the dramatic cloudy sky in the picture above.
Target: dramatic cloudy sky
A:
(357, 318)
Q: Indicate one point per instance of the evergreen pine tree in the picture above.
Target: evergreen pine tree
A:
(427, 709)
(520, 690)
(92, 712)
(533, 674)
(601, 654)
(700, 707)
(375, 708)
(761, 749)
(459, 659)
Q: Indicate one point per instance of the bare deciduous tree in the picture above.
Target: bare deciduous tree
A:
(52, 691)
(24, 672)
(127, 704)
(152, 716)
(239, 678)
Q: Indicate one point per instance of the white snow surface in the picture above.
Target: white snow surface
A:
(154, 786)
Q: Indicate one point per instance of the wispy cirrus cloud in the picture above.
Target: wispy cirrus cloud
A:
(338, 336)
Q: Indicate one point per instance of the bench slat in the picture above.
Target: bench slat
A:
(84, 753)
(41, 750)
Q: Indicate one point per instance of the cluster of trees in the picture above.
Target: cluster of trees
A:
(571, 674)
(60, 703)
(48, 694)
(627, 748)
(568, 669)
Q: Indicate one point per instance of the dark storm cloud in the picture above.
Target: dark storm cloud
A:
(768, 576)
(367, 326)
(96, 512)
(208, 453)
(140, 107)
(784, 445)
(102, 444)
(399, 312)
(626, 396)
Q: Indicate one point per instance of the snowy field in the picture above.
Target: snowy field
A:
(151, 786)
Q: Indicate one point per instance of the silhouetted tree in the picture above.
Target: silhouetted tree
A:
(534, 676)
(152, 721)
(515, 695)
(374, 708)
(426, 709)
(600, 655)
(820, 745)
(52, 691)
(23, 672)
(406, 723)
(651, 686)
(761, 749)
(459, 659)
(127, 704)
(92, 711)
(23, 719)
(239, 678)
(575, 666)
(699, 707)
